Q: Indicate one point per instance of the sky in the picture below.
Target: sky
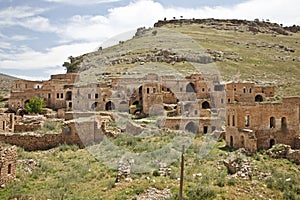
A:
(38, 36)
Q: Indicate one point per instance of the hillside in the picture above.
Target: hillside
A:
(262, 52)
(6, 83)
(238, 50)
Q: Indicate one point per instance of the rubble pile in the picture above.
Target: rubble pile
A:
(124, 170)
(28, 165)
(284, 151)
(164, 170)
(155, 194)
(239, 167)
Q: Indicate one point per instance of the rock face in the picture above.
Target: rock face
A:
(284, 151)
(155, 194)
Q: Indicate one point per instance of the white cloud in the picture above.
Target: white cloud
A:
(147, 12)
(29, 59)
(82, 2)
(37, 23)
(10, 16)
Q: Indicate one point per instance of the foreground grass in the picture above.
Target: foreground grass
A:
(68, 172)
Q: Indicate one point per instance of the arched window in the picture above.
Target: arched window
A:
(247, 120)
(109, 106)
(272, 122)
(250, 90)
(244, 90)
(205, 105)
(191, 127)
(259, 98)
(283, 123)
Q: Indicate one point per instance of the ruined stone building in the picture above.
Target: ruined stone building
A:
(255, 122)
(56, 92)
(195, 103)
(8, 162)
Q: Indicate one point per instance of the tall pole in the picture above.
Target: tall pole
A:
(181, 173)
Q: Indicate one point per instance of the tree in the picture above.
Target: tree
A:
(35, 105)
(71, 66)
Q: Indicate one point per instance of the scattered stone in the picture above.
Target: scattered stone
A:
(284, 151)
(155, 194)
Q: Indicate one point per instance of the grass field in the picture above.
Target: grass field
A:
(68, 172)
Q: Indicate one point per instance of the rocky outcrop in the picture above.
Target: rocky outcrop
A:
(255, 26)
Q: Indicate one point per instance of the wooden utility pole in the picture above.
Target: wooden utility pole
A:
(181, 173)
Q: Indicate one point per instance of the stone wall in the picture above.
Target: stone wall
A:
(32, 142)
(8, 162)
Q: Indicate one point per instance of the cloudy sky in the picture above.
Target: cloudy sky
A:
(37, 36)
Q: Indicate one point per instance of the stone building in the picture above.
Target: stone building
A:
(57, 92)
(255, 122)
(8, 162)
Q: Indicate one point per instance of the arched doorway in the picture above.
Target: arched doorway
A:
(231, 141)
(272, 122)
(272, 143)
(94, 105)
(205, 105)
(109, 106)
(259, 98)
(283, 123)
(191, 127)
(190, 88)
(69, 96)
(242, 141)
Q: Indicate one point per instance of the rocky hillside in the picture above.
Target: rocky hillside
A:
(6, 83)
(262, 52)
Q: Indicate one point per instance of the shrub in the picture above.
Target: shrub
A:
(201, 193)
(231, 182)
(156, 173)
(35, 105)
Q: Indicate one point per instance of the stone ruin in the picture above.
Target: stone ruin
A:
(124, 170)
(284, 151)
(8, 163)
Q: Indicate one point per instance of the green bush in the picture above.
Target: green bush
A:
(201, 193)
(156, 173)
(231, 182)
(35, 105)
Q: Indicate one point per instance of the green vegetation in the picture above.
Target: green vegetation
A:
(72, 66)
(35, 105)
(51, 127)
(68, 172)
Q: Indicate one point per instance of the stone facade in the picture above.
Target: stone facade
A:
(253, 122)
(8, 164)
